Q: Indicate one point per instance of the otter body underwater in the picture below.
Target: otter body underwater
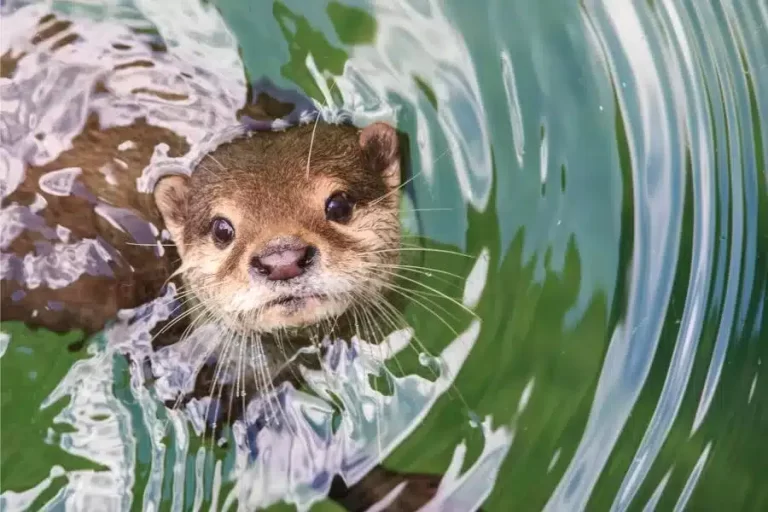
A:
(281, 234)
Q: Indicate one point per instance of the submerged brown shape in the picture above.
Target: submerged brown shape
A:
(108, 176)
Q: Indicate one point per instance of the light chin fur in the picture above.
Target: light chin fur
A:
(275, 318)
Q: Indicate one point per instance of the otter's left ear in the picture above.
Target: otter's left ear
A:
(382, 150)
(171, 199)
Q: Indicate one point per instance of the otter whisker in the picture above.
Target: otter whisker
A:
(372, 298)
(257, 363)
(311, 143)
(204, 167)
(449, 374)
(424, 270)
(381, 361)
(216, 161)
(426, 273)
(221, 362)
(281, 410)
(419, 245)
(281, 347)
(184, 300)
(403, 292)
(384, 306)
(254, 363)
(183, 269)
(258, 380)
(264, 377)
(419, 293)
(283, 413)
(149, 245)
(209, 351)
(439, 157)
(173, 274)
(240, 379)
(363, 356)
(204, 315)
(316, 343)
(431, 209)
(229, 372)
(394, 190)
(414, 249)
(212, 388)
(386, 303)
(188, 312)
(373, 324)
(269, 391)
(199, 287)
(434, 290)
(335, 323)
(371, 336)
(393, 317)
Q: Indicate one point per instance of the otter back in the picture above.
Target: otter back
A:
(82, 214)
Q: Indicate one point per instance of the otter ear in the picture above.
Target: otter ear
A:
(382, 150)
(171, 199)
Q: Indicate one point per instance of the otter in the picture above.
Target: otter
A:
(269, 236)
(287, 229)
(273, 232)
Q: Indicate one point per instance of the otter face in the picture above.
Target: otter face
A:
(270, 240)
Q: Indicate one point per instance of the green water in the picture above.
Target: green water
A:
(624, 208)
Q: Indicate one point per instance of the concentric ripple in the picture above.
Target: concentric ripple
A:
(604, 166)
(686, 97)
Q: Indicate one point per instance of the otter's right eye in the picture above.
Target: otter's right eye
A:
(222, 231)
(338, 208)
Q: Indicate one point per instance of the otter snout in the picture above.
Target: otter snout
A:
(280, 261)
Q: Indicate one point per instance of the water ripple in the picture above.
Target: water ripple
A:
(694, 311)
(738, 199)
(628, 40)
(680, 85)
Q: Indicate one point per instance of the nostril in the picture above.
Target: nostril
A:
(310, 252)
(283, 261)
(260, 267)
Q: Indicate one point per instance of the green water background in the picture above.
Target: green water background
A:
(560, 258)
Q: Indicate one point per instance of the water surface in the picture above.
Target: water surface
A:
(603, 164)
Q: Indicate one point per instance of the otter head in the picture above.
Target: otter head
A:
(288, 229)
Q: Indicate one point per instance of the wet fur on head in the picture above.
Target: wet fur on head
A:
(262, 185)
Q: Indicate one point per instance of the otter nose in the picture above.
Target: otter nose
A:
(283, 262)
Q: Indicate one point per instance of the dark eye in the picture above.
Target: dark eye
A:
(338, 208)
(222, 231)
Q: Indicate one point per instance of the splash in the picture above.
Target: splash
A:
(288, 457)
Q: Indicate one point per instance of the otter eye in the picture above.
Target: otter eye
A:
(222, 231)
(338, 208)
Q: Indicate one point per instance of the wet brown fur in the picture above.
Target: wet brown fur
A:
(271, 167)
(269, 187)
(91, 301)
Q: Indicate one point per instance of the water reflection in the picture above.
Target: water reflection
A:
(625, 36)
(605, 165)
(653, 137)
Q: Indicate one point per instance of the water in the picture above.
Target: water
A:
(604, 164)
